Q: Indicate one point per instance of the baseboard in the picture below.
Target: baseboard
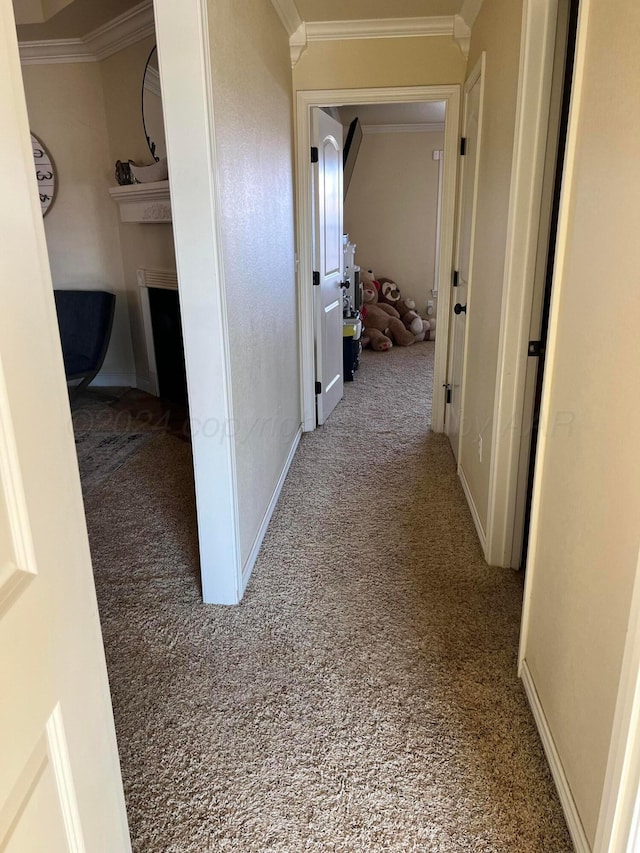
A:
(482, 536)
(569, 807)
(145, 385)
(253, 554)
(114, 380)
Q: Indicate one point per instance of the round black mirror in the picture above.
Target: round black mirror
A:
(152, 115)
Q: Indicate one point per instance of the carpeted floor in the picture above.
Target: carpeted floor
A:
(363, 697)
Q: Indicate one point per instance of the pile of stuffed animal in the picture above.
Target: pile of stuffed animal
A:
(387, 318)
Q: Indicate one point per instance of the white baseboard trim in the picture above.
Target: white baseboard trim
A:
(253, 554)
(569, 807)
(482, 536)
(114, 380)
(145, 384)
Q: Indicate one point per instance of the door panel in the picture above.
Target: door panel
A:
(328, 212)
(60, 786)
(467, 194)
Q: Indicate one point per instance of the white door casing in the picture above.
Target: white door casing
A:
(60, 785)
(326, 134)
(461, 294)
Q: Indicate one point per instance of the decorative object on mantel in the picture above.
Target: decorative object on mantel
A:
(158, 171)
(136, 173)
(123, 173)
(45, 174)
(144, 203)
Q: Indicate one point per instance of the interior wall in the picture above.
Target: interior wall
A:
(497, 31)
(253, 114)
(391, 209)
(585, 533)
(372, 63)
(142, 246)
(67, 113)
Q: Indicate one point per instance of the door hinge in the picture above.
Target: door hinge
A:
(456, 278)
(318, 387)
(314, 154)
(463, 146)
(447, 393)
(316, 279)
(536, 348)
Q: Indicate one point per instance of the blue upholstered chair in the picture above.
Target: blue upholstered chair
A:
(85, 318)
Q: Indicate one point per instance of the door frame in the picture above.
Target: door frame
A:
(478, 72)
(537, 50)
(305, 101)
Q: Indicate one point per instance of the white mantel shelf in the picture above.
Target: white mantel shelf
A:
(147, 203)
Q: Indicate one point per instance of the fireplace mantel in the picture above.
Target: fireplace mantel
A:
(144, 203)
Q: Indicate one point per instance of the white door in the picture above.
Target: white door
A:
(467, 193)
(60, 785)
(326, 135)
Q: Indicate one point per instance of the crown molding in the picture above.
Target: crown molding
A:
(121, 32)
(380, 28)
(297, 44)
(54, 51)
(462, 35)
(288, 14)
(422, 127)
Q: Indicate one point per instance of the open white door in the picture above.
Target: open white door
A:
(326, 135)
(467, 194)
(60, 785)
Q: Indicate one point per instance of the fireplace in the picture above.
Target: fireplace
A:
(163, 334)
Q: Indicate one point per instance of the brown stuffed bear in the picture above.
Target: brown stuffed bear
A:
(390, 295)
(382, 324)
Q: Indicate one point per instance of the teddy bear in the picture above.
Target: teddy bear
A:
(389, 294)
(382, 324)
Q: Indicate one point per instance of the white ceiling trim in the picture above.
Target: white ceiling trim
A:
(121, 32)
(380, 28)
(288, 14)
(54, 51)
(421, 127)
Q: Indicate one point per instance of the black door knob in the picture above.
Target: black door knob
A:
(459, 309)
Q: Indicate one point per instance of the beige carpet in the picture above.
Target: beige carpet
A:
(364, 695)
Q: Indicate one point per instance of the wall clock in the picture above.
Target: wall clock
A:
(45, 173)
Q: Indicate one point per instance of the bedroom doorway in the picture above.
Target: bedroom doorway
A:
(407, 111)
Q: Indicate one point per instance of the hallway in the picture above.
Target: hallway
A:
(364, 696)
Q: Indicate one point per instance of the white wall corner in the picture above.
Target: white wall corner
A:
(470, 10)
(298, 44)
(288, 14)
(462, 34)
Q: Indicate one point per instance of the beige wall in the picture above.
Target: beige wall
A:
(143, 246)
(66, 111)
(587, 531)
(253, 114)
(496, 31)
(372, 63)
(390, 209)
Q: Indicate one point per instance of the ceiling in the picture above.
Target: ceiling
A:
(80, 17)
(74, 21)
(394, 114)
(352, 10)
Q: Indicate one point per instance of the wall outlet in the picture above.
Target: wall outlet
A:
(480, 448)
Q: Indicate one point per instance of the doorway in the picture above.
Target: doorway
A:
(306, 102)
(377, 203)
